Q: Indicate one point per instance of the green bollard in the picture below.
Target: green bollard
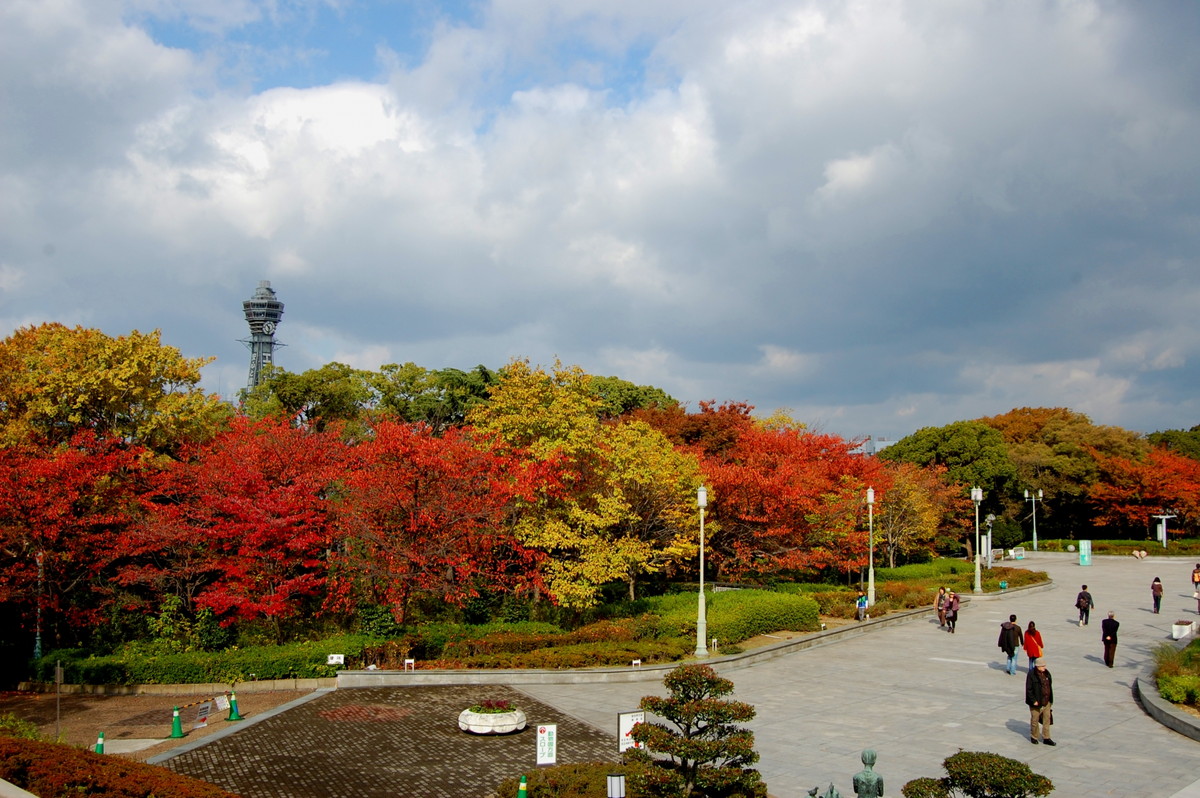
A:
(99, 749)
(233, 707)
(522, 790)
(176, 725)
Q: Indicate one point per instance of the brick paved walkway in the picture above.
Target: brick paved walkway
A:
(385, 742)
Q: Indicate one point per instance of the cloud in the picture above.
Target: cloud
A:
(881, 217)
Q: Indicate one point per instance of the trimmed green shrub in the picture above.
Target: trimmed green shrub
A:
(13, 726)
(1180, 689)
(978, 774)
(925, 787)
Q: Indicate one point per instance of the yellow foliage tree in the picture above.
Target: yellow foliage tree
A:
(56, 381)
(624, 504)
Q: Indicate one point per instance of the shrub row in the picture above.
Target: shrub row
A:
(304, 660)
(581, 655)
(54, 770)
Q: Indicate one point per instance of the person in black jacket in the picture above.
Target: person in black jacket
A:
(1108, 636)
(1084, 603)
(1039, 695)
(1010, 640)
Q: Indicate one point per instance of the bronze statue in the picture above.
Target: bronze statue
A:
(868, 783)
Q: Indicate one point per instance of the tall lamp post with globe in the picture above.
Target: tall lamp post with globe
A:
(701, 614)
(977, 497)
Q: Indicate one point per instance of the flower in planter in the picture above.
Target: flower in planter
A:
(492, 707)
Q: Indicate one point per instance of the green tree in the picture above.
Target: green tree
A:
(973, 454)
(441, 399)
(313, 399)
(56, 381)
(707, 753)
(1184, 442)
(619, 397)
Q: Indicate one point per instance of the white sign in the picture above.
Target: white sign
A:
(202, 715)
(547, 744)
(625, 724)
(222, 703)
(335, 659)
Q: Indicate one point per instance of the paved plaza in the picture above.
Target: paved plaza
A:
(911, 691)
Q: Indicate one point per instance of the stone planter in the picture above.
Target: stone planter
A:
(1181, 629)
(491, 722)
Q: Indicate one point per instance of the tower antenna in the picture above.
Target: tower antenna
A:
(263, 314)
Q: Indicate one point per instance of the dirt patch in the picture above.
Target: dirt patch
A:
(82, 717)
(775, 637)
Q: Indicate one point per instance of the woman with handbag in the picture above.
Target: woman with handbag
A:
(1033, 645)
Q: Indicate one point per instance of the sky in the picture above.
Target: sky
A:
(877, 216)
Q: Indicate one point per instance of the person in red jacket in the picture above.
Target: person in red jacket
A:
(1033, 645)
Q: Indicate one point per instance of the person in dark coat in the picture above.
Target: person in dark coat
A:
(952, 605)
(1156, 593)
(1039, 696)
(1108, 636)
(1010, 640)
(1084, 603)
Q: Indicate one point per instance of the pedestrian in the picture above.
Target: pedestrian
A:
(1039, 696)
(1084, 603)
(1196, 586)
(1156, 591)
(1108, 635)
(1009, 641)
(939, 603)
(861, 605)
(952, 605)
(1033, 645)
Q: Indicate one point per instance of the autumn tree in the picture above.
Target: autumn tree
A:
(1184, 442)
(618, 510)
(918, 506)
(787, 498)
(1131, 491)
(67, 506)
(431, 517)
(57, 381)
(240, 524)
(1053, 449)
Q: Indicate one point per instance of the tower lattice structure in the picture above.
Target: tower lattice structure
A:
(263, 314)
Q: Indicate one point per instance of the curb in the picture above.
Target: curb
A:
(211, 688)
(1145, 690)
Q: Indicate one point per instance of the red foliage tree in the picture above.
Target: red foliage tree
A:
(1131, 491)
(240, 524)
(786, 498)
(428, 516)
(68, 505)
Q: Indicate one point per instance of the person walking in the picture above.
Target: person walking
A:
(861, 605)
(952, 605)
(1196, 586)
(1039, 696)
(1084, 603)
(1108, 635)
(939, 604)
(1156, 591)
(1009, 641)
(1033, 645)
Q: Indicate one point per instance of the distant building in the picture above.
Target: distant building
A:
(873, 446)
(263, 314)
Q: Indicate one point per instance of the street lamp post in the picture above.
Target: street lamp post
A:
(37, 640)
(1035, 498)
(977, 497)
(701, 615)
(871, 546)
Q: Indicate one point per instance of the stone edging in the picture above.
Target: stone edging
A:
(214, 688)
(1145, 689)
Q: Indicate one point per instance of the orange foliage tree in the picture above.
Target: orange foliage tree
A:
(1131, 491)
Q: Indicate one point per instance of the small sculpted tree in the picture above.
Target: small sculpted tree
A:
(977, 774)
(707, 753)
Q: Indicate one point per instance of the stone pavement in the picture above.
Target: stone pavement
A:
(912, 692)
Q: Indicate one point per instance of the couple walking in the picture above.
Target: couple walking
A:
(947, 605)
(1012, 638)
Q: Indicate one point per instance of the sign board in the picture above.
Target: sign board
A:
(58, 673)
(335, 659)
(1085, 552)
(625, 723)
(547, 744)
(222, 703)
(202, 714)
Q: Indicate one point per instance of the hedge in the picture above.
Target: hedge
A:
(55, 770)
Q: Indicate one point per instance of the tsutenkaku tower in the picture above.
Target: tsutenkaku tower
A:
(263, 313)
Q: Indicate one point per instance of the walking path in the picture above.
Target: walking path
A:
(917, 694)
(912, 692)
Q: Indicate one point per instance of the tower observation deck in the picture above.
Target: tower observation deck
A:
(263, 314)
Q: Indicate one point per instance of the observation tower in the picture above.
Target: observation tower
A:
(263, 314)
